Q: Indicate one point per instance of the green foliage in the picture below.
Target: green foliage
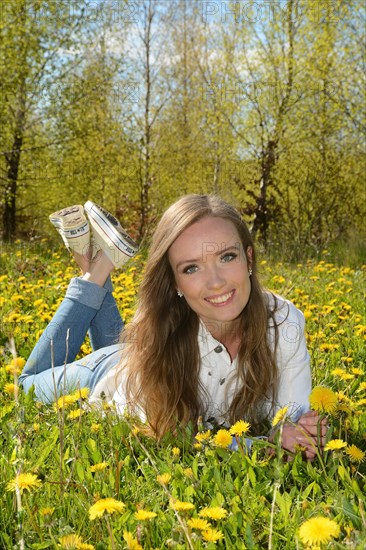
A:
(135, 104)
(265, 496)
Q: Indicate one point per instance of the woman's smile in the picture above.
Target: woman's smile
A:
(221, 300)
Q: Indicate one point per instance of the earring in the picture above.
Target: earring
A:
(250, 272)
(180, 293)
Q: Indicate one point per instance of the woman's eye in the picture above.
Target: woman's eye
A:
(229, 257)
(190, 269)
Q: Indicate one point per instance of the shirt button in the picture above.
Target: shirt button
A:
(222, 380)
(209, 373)
(218, 349)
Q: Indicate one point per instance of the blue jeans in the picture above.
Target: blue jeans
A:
(51, 368)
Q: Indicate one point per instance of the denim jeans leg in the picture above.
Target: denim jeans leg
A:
(82, 373)
(106, 326)
(68, 327)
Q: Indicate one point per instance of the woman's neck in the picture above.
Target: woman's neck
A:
(228, 334)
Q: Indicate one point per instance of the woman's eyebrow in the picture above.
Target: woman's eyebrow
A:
(211, 252)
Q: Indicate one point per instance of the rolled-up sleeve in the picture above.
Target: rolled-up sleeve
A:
(293, 362)
(292, 357)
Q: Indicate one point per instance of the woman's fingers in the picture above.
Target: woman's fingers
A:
(294, 437)
(311, 424)
(308, 434)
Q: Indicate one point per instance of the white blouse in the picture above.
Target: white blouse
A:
(217, 372)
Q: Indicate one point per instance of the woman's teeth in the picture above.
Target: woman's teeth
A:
(220, 299)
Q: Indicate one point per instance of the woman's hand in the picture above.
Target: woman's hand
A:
(309, 432)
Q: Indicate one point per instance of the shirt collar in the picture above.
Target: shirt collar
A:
(206, 342)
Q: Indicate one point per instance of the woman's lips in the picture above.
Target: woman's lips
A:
(221, 300)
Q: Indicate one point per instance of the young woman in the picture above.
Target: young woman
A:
(206, 340)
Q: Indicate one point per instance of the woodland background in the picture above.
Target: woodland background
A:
(132, 104)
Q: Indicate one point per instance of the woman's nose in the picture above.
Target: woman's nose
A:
(215, 278)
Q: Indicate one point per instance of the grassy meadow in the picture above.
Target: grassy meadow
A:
(75, 478)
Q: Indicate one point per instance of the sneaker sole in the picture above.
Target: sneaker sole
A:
(110, 239)
(74, 233)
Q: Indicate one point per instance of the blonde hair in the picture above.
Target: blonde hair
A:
(162, 353)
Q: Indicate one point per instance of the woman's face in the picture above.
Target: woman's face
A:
(211, 270)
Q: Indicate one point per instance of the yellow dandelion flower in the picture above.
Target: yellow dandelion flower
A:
(361, 402)
(99, 467)
(347, 376)
(24, 482)
(318, 530)
(338, 372)
(188, 472)
(298, 448)
(362, 386)
(327, 346)
(280, 416)
(85, 546)
(73, 415)
(143, 515)
(323, 400)
(164, 479)
(11, 389)
(361, 329)
(46, 511)
(222, 438)
(279, 279)
(212, 535)
(342, 397)
(10, 369)
(15, 366)
(335, 445)
(203, 437)
(214, 512)
(199, 524)
(17, 298)
(355, 454)
(65, 401)
(95, 428)
(82, 393)
(108, 505)
(132, 543)
(175, 451)
(240, 428)
(357, 371)
(70, 542)
(343, 407)
(181, 506)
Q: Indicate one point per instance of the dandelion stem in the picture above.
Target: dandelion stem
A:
(59, 415)
(276, 487)
(110, 532)
(18, 449)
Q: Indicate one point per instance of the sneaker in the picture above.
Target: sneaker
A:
(109, 235)
(73, 227)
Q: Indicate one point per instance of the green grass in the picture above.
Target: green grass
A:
(266, 497)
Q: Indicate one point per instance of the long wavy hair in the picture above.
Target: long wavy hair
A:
(162, 354)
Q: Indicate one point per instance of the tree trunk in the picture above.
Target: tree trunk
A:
(13, 163)
(261, 213)
(146, 180)
(269, 154)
